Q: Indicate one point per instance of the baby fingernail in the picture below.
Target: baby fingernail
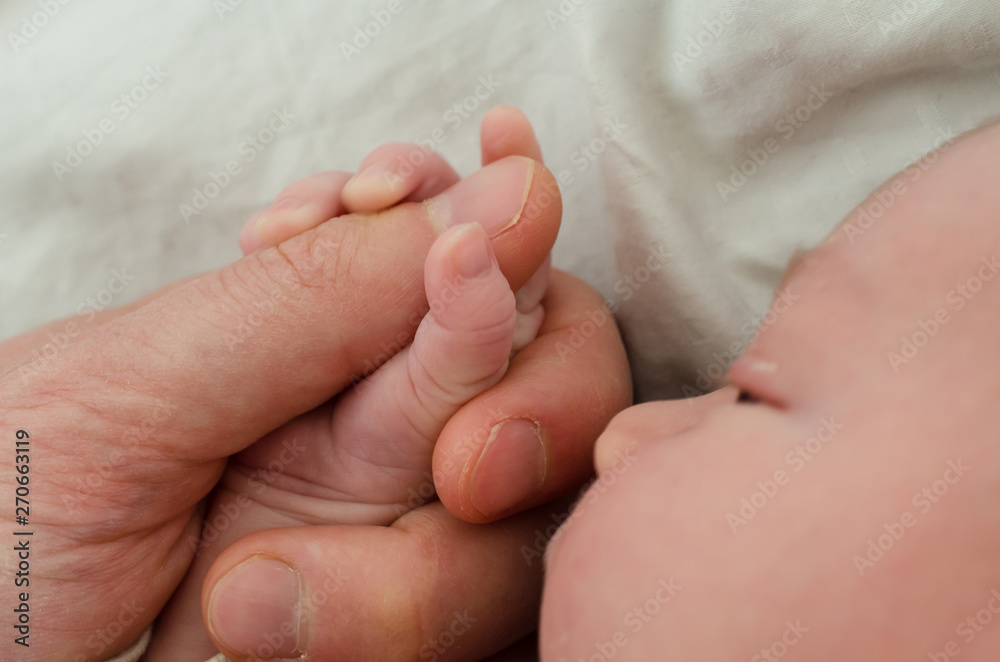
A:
(471, 253)
(285, 219)
(376, 175)
(511, 469)
(374, 187)
(256, 607)
(288, 204)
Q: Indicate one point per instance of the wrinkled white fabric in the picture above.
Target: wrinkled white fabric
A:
(647, 110)
(699, 143)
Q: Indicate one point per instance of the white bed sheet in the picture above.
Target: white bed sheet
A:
(683, 91)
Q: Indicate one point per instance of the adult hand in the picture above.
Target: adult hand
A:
(431, 585)
(131, 420)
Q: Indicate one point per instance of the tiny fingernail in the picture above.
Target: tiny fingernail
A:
(288, 204)
(471, 254)
(286, 219)
(511, 469)
(254, 609)
(373, 174)
(374, 183)
(278, 213)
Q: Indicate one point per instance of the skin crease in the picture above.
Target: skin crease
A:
(797, 567)
(493, 576)
(161, 369)
(127, 545)
(325, 480)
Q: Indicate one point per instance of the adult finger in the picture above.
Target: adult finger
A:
(42, 344)
(531, 437)
(246, 348)
(506, 131)
(428, 586)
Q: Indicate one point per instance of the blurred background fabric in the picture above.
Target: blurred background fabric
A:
(698, 143)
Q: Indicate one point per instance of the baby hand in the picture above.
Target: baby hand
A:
(365, 458)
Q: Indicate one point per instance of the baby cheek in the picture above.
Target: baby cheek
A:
(599, 594)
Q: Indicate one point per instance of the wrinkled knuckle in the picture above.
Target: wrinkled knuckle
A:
(292, 266)
(315, 260)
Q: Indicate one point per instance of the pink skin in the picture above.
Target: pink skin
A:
(149, 402)
(379, 445)
(367, 465)
(749, 583)
(392, 174)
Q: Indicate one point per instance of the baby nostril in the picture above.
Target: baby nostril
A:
(744, 396)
